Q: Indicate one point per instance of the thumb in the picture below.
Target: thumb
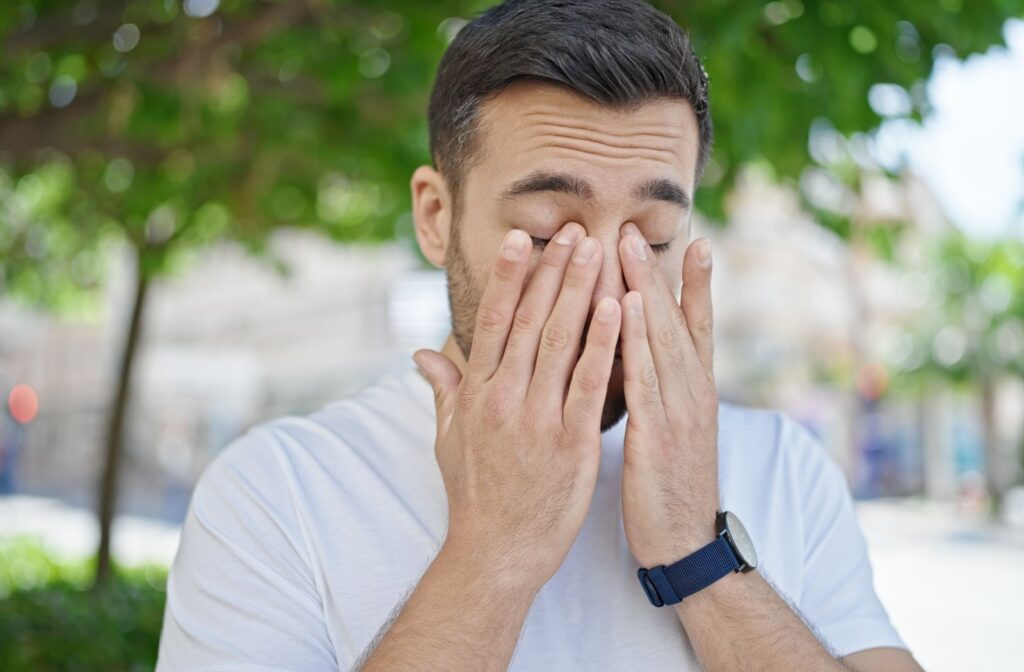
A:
(443, 376)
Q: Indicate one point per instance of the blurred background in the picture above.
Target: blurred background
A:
(204, 223)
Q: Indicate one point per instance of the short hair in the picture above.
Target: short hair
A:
(619, 53)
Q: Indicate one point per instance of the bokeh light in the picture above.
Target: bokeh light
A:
(23, 403)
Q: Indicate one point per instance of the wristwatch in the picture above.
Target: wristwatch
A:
(731, 551)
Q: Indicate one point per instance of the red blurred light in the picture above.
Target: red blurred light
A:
(872, 380)
(23, 403)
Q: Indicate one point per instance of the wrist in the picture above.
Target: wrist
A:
(731, 551)
(489, 570)
(688, 539)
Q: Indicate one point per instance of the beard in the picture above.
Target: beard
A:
(464, 295)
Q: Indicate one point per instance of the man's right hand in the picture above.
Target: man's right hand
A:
(518, 435)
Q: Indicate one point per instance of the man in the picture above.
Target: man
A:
(547, 525)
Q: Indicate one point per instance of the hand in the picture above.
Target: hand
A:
(670, 454)
(518, 436)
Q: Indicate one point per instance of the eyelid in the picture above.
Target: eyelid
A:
(658, 248)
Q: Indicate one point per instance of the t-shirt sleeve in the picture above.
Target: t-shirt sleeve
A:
(837, 593)
(240, 595)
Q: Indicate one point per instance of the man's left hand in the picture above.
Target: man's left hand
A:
(670, 455)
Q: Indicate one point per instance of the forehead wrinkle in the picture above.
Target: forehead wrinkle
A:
(590, 149)
(600, 142)
(631, 141)
(558, 124)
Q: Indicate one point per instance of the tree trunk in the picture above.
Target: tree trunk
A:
(995, 481)
(115, 426)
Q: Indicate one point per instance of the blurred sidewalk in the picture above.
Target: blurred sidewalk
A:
(70, 533)
(954, 587)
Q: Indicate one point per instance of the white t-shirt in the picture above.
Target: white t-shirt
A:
(305, 533)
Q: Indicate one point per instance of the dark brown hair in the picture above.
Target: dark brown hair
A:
(620, 53)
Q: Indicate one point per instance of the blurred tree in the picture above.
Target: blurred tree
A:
(972, 334)
(168, 125)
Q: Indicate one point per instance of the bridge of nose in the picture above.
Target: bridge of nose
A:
(610, 281)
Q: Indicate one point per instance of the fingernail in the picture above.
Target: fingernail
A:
(514, 245)
(636, 246)
(604, 310)
(585, 251)
(704, 253)
(569, 234)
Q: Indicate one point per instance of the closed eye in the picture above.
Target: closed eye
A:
(658, 248)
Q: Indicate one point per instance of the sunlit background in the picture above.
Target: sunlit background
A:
(204, 223)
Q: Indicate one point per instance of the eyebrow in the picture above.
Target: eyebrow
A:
(540, 181)
(661, 189)
(657, 189)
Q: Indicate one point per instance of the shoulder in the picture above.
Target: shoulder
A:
(773, 464)
(397, 402)
(769, 436)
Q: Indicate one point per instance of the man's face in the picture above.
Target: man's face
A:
(549, 157)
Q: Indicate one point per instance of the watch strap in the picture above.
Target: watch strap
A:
(671, 584)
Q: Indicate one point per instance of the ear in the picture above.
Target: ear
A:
(431, 213)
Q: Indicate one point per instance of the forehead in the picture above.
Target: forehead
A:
(532, 126)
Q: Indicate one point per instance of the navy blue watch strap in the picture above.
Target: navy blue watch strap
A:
(669, 585)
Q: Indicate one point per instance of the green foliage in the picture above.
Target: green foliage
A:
(49, 620)
(777, 67)
(977, 326)
(133, 121)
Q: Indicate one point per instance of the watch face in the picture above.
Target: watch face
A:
(741, 540)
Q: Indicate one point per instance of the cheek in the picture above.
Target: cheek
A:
(479, 249)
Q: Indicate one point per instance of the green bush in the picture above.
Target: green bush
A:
(51, 620)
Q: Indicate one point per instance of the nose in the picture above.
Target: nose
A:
(610, 281)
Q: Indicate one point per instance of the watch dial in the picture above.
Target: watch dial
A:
(741, 540)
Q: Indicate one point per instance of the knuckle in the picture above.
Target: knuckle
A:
(588, 383)
(704, 324)
(650, 391)
(496, 404)
(649, 376)
(555, 337)
(666, 336)
(527, 317)
(489, 319)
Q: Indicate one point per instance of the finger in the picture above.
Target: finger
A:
(560, 337)
(498, 305)
(696, 301)
(639, 373)
(444, 377)
(589, 386)
(537, 303)
(669, 338)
